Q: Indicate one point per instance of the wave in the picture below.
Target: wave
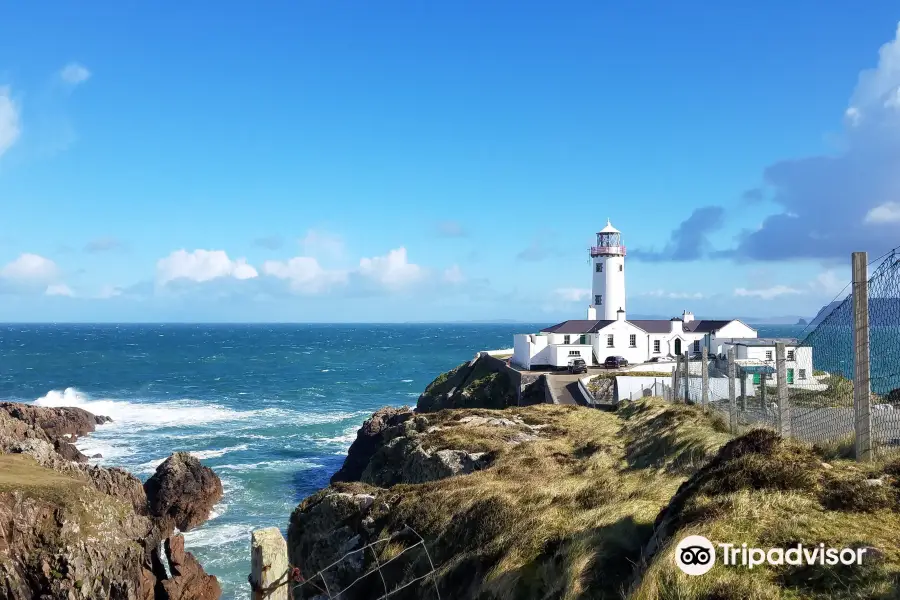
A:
(217, 535)
(150, 465)
(137, 416)
(269, 465)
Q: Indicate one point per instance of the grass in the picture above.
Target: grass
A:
(21, 473)
(768, 492)
(564, 516)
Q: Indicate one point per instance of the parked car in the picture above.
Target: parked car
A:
(697, 356)
(577, 365)
(615, 362)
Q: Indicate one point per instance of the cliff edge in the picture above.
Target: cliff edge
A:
(552, 501)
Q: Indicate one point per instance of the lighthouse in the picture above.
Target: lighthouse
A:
(608, 265)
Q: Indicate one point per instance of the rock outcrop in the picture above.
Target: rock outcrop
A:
(188, 581)
(71, 530)
(184, 490)
(369, 438)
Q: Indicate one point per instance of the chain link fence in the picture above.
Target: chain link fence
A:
(814, 388)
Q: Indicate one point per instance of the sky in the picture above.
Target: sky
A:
(310, 161)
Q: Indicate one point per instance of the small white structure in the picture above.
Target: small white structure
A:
(757, 352)
(607, 331)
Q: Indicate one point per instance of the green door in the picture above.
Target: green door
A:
(756, 379)
(790, 375)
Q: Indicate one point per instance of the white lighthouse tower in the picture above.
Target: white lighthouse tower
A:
(608, 265)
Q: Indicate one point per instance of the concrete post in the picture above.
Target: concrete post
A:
(732, 417)
(743, 383)
(763, 393)
(784, 402)
(704, 376)
(687, 378)
(676, 378)
(862, 398)
(269, 565)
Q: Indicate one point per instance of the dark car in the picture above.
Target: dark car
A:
(614, 362)
(577, 365)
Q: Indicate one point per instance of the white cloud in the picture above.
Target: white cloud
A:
(30, 268)
(202, 265)
(889, 212)
(59, 289)
(305, 274)
(321, 244)
(454, 275)
(74, 73)
(9, 121)
(571, 294)
(392, 270)
(767, 293)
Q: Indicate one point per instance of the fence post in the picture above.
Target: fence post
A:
(269, 564)
(731, 409)
(704, 376)
(784, 403)
(687, 378)
(743, 383)
(862, 399)
(676, 375)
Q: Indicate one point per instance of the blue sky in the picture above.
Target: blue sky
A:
(391, 161)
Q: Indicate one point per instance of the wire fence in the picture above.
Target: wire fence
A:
(382, 569)
(816, 389)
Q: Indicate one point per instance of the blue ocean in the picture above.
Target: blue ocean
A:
(271, 408)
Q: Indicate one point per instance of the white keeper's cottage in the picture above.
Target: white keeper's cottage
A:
(608, 332)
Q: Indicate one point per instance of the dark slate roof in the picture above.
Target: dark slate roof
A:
(577, 326)
(706, 326)
(653, 325)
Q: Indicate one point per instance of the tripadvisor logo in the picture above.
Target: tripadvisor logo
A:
(696, 555)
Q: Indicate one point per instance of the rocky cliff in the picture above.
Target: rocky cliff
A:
(71, 530)
(555, 501)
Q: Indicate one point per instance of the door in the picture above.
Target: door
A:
(756, 379)
(677, 347)
(790, 376)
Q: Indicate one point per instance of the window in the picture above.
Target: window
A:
(598, 299)
(632, 341)
(801, 374)
(621, 267)
(567, 339)
(574, 353)
(582, 339)
(768, 355)
(696, 345)
(790, 355)
(599, 267)
(656, 346)
(609, 341)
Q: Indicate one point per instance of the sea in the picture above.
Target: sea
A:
(271, 408)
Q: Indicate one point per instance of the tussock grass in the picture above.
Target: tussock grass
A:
(21, 473)
(564, 516)
(768, 492)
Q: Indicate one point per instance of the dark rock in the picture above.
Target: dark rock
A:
(69, 451)
(98, 455)
(369, 438)
(56, 422)
(183, 489)
(189, 581)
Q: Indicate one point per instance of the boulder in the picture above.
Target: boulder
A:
(188, 581)
(369, 438)
(69, 452)
(184, 490)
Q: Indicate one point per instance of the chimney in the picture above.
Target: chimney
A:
(687, 317)
(620, 315)
(592, 313)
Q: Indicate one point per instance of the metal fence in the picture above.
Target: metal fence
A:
(839, 386)
(273, 578)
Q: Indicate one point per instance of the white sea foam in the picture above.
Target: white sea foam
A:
(269, 465)
(406, 380)
(217, 535)
(201, 454)
(136, 416)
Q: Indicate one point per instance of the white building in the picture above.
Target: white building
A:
(607, 331)
(750, 354)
